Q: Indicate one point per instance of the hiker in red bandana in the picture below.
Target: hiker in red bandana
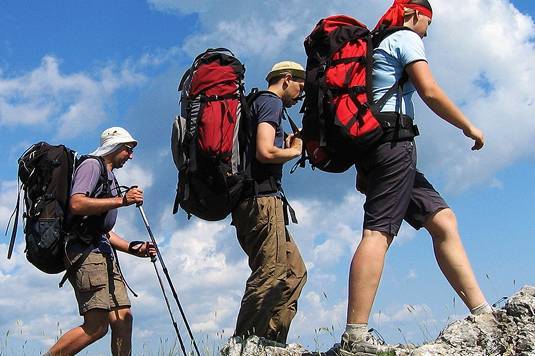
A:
(395, 189)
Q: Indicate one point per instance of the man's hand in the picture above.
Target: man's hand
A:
(475, 134)
(294, 142)
(142, 249)
(147, 250)
(133, 196)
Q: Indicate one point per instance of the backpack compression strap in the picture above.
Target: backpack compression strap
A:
(15, 223)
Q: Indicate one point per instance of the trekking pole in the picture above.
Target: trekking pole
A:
(166, 272)
(153, 260)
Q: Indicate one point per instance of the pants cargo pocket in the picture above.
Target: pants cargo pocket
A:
(91, 276)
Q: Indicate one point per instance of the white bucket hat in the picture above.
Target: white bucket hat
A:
(111, 139)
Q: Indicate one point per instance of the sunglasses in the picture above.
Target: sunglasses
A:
(129, 149)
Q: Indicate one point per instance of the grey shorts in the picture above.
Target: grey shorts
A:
(396, 190)
(98, 284)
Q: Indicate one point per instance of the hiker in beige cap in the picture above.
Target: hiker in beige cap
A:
(278, 273)
(97, 280)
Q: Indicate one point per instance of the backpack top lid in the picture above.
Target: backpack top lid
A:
(332, 32)
(215, 73)
(331, 23)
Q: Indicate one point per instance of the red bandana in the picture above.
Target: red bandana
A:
(394, 15)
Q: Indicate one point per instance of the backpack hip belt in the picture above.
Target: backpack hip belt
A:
(396, 127)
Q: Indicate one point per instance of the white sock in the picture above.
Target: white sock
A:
(356, 329)
(483, 308)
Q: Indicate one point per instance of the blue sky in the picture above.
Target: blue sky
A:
(68, 70)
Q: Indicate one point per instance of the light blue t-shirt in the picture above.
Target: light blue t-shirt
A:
(390, 58)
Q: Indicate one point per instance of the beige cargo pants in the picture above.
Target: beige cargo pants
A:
(278, 273)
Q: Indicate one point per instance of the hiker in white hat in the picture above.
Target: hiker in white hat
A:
(97, 281)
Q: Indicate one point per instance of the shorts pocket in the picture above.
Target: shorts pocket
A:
(91, 276)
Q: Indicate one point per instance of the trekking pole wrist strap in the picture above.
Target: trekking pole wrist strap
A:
(134, 247)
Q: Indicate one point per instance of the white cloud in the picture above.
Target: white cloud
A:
(8, 198)
(404, 313)
(328, 231)
(74, 102)
(135, 174)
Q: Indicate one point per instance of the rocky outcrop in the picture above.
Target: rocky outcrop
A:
(506, 332)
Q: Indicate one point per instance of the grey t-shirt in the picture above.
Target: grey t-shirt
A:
(85, 180)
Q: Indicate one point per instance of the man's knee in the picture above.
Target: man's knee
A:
(441, 222)
(376, 239)
(95, 324)
(121, 320)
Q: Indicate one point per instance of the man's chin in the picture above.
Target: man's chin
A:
(290, 104)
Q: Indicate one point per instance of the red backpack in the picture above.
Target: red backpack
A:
(341, 120)
(209, 138)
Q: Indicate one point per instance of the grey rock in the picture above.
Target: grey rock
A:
(508, 331)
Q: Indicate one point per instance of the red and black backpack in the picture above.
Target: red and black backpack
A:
(210, 136)
(341, 120)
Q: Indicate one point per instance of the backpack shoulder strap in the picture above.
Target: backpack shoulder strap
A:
(256, 93)
(382, 33)
(103, 178)
(377, 37)
(15, 224)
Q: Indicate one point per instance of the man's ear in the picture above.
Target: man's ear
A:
(287, 79)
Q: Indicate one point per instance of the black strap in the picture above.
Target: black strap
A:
(287, 208)
(121, 272)
(268, 186)
(179, 197)
(396, 88)
(15, 223)
(135, 246)
(334, 62)
(74, 266)
(293, 125)
(204, 98)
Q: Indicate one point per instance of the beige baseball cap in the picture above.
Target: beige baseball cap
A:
(295, 69)
(111, 139)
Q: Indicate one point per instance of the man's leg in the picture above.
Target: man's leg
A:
(295, 279)
(365, 274)
(256, 227)
(95, 326)
(121, 331)
(390, 169)
(452, 258)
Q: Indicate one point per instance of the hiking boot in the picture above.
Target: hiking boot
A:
(368, 344)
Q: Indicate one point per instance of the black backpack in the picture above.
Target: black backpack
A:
(45, 173)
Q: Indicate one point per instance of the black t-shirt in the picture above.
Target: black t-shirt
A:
(267, 108)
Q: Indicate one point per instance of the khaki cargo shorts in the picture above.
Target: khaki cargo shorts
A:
(98, 284)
